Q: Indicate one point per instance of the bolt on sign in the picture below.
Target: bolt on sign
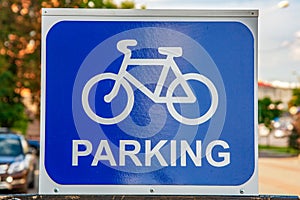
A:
(149, 102)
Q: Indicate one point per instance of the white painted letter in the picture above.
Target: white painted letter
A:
(173, 152)
(155, 151)
(109, 156)
(185, 148)
(76, 153)
(225, 155)
(131, 154)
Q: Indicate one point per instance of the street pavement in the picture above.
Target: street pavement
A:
(35, 190)
(279, 175)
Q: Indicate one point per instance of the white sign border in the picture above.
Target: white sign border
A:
(51, 16)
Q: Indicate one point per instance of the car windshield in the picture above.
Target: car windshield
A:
(10, 147)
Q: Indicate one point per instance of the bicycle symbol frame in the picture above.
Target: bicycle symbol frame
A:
(124, 78)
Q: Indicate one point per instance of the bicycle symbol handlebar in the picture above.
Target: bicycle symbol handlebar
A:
(124, 79)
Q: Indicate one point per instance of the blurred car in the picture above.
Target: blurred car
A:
(283, 126)
(35, 144)
(17, 163)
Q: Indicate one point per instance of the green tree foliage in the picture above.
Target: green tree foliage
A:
(20, 51)
(12, 109)
(127, 4)
(267, 111)
(294, 140)
(295, 101)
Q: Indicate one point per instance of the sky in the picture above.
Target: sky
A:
(278, 35)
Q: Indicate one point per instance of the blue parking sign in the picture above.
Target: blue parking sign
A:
(141, 105)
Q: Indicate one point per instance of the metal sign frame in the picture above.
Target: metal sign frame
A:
(52, 17)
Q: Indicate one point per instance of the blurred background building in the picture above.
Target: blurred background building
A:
(276, 91)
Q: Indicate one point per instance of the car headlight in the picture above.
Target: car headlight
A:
(16, 167)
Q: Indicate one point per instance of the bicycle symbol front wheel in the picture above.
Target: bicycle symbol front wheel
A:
(91, 113)
(208, 114)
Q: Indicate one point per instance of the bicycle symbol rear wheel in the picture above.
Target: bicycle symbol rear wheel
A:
(105, 120)
(209, 113)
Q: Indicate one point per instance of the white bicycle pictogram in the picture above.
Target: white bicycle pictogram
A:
(124, 78)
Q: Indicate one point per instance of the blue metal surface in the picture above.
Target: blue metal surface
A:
(223, 52)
